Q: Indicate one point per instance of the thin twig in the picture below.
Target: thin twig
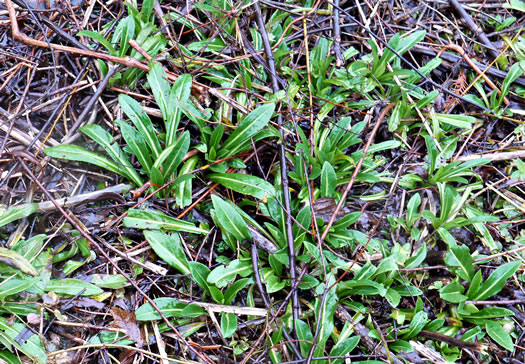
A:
(284, 167)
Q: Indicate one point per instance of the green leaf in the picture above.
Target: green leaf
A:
(178, 100)
(491, 312)
(13, 259)
(72, 152)
(17, 212)
(474, 285)
(224, 274)
(171, 157)
(328, 180)
(416, 260)
(395, 118)
(460, 256)
(169, 249)
(128, 33)
(400, 45)
(456, 120)
(142, 122)
(343, 348)
(13, 286)
(137, 144)
(160, 87)
(147, 9)
(155, 220)
(32, 347)
(104, 139)
(228, 324)
(499, 335)
(272, 282)
(232, 290)
(8, 357)
(72, 287)
(111, 281)
(324, 314)
(170, 307)
(433, 153)
(248, 127)
(496, 280)
(305, 337)
(30, 248)
(516, 5)
(363, 287)
(412, 210)
(393, 297)
(184, 189)
(245, 184)
(453, 292)
(199, 273)
(514, 73)
(99, 38)
(416, 325)
(387, 265)
(229, 219)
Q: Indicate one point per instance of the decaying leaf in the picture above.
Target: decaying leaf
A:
(15, 260)
(324, 208)
(262, 241)
(127, 321)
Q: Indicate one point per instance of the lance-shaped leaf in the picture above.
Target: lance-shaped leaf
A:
(249, 126)
(499, 335)
(496, 280)
(170, 307)
(15, 260)
(32, 347)
(160, 87)
(171, 157)
(328, 180)
(17, 212)
(229, 219)
(228, 324)
(142, 122)
(169, 249)
(137, 144)
(72, 287)
(460, 257)
(72, 152)
(224, 274)
(155, 220)
(177, 100)
(245, 184)
(104, 139)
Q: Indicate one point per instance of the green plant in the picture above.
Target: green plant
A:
(460, 260)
